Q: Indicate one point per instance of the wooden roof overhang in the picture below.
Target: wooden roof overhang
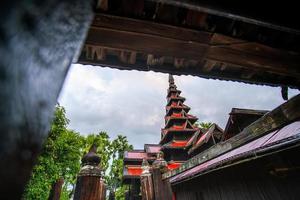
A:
(168, 133)
(276, 141)
(186, 37)
(177, 108)
(171, 91)
(175, 99)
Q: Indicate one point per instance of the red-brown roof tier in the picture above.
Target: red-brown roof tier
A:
(168, 133)
(173, 91)
(174, 165)
(175, 98)
(170, 120)
(176, 108)
(175, 144)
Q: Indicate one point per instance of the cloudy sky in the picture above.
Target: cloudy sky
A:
(132, 103)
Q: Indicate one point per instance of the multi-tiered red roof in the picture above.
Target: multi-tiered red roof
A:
(179, 127)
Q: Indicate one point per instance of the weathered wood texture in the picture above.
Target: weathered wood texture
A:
(147, 187)
(284, 114)
(90, 188)
(56, 189)
(38, 41)
(274, 177)
(252, 12)
(165, 48)
(162, 188)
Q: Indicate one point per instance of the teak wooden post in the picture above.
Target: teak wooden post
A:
(146, 182)
(38, 42)
(90, 185)
(162, 188)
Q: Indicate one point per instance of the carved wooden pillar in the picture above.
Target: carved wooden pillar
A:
(90, 185)
(146, 182)
(162, 188)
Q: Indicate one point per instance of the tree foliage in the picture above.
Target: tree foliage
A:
(61, 157)
(204, 125)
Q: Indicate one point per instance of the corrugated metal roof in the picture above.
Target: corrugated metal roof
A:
(269, 140)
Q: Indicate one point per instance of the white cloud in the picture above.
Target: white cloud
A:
(133, 103)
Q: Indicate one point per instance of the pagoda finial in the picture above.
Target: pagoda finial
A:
(171, 79)
(90, 163)
(91, 158)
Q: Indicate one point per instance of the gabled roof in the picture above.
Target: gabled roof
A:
(279, 139)
(239, 119)
(199, 139)
(209, 134)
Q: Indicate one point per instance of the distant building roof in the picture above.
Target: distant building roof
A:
(239, 119)
(215, 133)
(152, 148)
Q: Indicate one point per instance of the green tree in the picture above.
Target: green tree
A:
(60, 158)
(203, 125)
(111, 153)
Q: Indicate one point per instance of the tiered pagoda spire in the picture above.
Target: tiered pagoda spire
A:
(179, 126)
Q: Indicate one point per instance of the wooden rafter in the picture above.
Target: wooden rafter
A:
(203, 53)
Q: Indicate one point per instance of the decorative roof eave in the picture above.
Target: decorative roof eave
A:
(170, 119)
(168, 132)
(184, 107)
(170, 90)
(175, 144)
(175, 99)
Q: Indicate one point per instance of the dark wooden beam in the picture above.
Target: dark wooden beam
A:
(277, 118)
(252, 12)
(253, 60)
(146, 43)
(38, 42)
(151, 28)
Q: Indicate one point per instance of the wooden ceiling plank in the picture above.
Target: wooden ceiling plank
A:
(147, 27)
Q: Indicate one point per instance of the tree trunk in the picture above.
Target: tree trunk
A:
(56, 189)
